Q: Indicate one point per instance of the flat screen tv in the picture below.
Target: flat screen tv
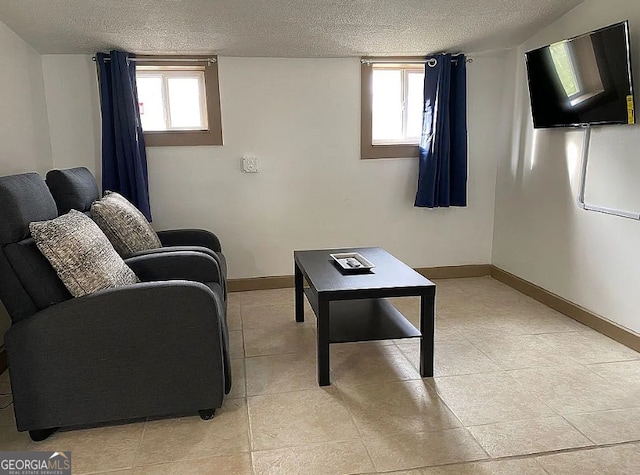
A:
(584, 80)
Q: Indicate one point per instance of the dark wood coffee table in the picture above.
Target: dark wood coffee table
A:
(353, 307)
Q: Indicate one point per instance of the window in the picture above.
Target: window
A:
(171, 100)
(179, 102)
(391, 116)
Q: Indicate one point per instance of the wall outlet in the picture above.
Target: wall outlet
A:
(250, 164)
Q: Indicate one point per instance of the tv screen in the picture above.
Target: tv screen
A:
(585, 80)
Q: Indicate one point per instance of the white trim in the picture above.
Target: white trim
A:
(167, 73)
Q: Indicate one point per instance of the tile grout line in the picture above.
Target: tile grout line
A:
(538, 398)
(595, 444)
(489, 356)
(584, 413)
(533, 456)
(568, 450)
(562, 350)
(246, 392)
(553, 416)
(144, 430)
(489, 457)
(542, 467)
(168, 462)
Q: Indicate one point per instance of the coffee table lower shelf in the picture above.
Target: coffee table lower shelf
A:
(364, 320)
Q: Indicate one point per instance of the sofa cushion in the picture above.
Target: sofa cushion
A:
(81, 254)
(125, 226)
(73, 188)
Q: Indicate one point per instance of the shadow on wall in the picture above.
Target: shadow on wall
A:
(97, 122)
(544, 166)
(41, 135)
(520, 127)
(411, 183)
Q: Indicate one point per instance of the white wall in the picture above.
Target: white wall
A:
(540, 234)
(73, 110)
(24, 131)
(301, 117)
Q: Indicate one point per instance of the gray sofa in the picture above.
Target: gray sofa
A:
(149, 349)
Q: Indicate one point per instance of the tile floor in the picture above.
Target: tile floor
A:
(518, 389)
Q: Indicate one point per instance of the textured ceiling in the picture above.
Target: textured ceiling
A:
(279, 28)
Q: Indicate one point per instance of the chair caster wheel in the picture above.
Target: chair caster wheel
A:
(41, 434)
(206, 414)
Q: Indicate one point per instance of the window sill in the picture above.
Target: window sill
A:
(389, 151)
(391, 142)
(183, 138)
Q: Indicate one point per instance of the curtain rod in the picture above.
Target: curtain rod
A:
(169, 59)
(431, 62)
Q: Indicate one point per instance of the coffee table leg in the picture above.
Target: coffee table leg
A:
(427, 327)
(299, 294)
(323, 342)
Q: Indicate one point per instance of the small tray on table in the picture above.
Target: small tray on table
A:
(352, 262)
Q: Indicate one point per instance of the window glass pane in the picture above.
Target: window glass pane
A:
(184, 102)
(150, 102)
(415, 91)
(386, 122)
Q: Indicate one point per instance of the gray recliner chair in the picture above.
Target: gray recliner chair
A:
(76, 188)
(159, 347)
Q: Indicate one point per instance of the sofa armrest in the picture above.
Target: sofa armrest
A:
(201, 249)
(176, 265)
(190, 237)
(127, 352)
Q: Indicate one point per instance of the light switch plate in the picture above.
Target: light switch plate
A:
(250, 164)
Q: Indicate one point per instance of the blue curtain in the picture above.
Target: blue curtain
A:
(124, 159)
(442, 177)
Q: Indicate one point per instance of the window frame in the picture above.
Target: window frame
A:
(176, 137)
(368, 150)
(165, 75)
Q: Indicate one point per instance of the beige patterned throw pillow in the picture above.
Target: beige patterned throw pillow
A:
(125, 226)
(81, 254)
